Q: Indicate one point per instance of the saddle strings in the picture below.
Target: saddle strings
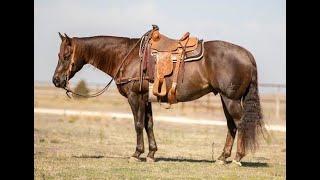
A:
(143, 46)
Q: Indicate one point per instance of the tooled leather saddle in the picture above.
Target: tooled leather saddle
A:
(168, 57)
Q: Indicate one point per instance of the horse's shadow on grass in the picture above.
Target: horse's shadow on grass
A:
(254, 164)
(244, 164)
(98, 157)
(89, 156)
(183, 160)
(165, 159)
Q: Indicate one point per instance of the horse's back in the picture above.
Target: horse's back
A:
(223, 48)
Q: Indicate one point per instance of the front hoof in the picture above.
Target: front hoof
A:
(134, 159)
(237, 163)
(150, 160)
(221, 162)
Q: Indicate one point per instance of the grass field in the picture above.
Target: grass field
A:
(81, 148)
(76, 147)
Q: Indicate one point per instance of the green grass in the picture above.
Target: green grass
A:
(100, 148)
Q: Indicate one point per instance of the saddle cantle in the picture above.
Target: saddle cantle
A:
(167, 51)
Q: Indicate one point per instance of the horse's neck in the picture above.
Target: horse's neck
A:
(105, 53)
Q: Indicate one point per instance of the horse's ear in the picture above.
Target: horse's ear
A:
(61, 36)
(68, 38)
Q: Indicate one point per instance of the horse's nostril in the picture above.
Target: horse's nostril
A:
(56, 81)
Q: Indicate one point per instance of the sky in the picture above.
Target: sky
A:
(259, 26)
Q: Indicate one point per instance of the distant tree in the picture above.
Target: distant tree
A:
(82, 89)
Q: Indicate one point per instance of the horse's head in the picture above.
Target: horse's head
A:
(68, 63)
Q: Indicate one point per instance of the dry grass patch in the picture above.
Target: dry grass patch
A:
(100, 150)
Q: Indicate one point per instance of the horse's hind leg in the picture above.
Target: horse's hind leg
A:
(233, 111)
(149, 129)
(240, 148)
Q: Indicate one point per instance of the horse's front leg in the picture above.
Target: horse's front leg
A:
(138, 106)
(149, 129)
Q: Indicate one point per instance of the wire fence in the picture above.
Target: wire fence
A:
(273, 104)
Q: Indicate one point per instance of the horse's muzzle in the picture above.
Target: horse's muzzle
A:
(59, 82)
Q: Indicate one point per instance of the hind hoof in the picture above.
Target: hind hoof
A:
(134, 159)
(150, 160)
(237, 163)
(221, 162)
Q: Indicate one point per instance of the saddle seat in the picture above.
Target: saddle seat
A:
(162, 43)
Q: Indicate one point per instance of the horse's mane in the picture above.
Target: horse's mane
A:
(102, 51)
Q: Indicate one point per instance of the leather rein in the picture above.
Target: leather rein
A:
(68, 90)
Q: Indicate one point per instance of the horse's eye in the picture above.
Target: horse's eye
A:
(66, 57)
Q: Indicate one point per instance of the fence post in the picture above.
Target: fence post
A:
(278, 104)
(208, 102)
(182, 108)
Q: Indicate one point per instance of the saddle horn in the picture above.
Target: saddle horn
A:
(155, 27)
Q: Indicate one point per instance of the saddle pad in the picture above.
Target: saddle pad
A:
(194, 55)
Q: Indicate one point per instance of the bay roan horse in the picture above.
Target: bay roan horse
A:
(225, 68)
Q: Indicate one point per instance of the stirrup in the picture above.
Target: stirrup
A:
(163, 90)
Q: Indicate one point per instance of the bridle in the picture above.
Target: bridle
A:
(68, 90)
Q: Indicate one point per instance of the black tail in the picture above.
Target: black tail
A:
(252, 122)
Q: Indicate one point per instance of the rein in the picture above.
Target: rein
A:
(68, 90)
